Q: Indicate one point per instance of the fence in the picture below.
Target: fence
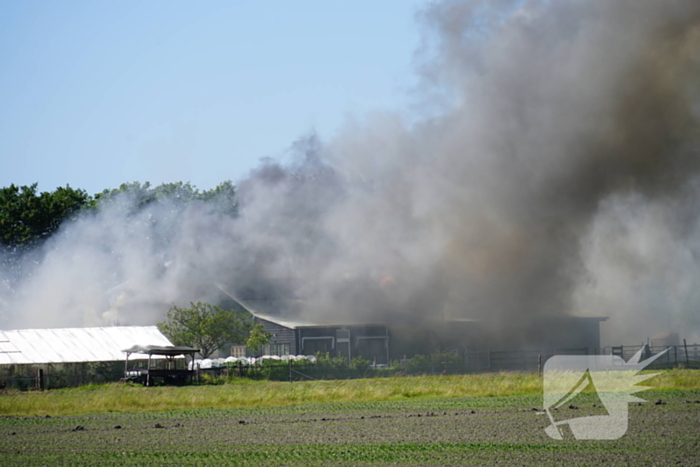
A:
(55, 376)
(440, 363)
(60, 375)
(677, 355)
(515, 360)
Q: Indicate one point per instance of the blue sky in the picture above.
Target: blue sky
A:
(94, 94)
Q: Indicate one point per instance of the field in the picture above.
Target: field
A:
(407, 421)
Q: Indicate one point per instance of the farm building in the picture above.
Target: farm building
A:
(295, 337)
(369, 341)
(560, 332)
(71, 356)
(398, 335)
(461, 335)
(403, 336)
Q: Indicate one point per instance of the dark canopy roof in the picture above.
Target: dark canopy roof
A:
(170, 350)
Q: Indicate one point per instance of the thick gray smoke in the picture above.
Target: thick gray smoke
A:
(552, 168)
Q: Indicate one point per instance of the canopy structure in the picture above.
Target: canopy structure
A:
(168, 351)
(75, 345)
(168, 372)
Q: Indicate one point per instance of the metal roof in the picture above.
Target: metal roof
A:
(296, 324)
(287, 323)
(252, 307)
(73, 345)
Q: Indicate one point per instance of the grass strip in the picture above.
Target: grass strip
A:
(242, 393)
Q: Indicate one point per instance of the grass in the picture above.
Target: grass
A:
(247, 393)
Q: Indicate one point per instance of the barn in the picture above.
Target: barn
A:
(369, 341)
(297, 337)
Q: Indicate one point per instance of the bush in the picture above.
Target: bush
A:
(359, 364)
(325, 361)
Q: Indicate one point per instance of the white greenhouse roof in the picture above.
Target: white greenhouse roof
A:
(72, 345)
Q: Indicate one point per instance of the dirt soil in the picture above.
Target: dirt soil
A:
(466, 431)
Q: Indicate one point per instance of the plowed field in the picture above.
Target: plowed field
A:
(484, 431)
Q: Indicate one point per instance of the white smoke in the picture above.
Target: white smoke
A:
(556, 176)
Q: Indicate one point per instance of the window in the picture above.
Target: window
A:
(276, 349)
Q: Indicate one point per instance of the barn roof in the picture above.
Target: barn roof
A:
(73, 345)
(287, 323)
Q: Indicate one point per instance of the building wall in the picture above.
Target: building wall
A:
(463, 336)
(367, 341)
(281, 335)
(370, 342)
(409, 339)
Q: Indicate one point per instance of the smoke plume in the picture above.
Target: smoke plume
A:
(551, 168)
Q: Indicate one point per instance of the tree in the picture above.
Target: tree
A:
(258, 338)
(27, 218)
(162, 208)
(222, 199)
(134, 197)
(206, 327)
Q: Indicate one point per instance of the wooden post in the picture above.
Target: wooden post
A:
(675, 354)
(290, 369)
(539, 364)
(687, 361)
(40, 379)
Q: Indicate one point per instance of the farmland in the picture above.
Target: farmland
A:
(429, 428)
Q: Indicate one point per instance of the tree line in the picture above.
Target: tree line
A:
(29, 217)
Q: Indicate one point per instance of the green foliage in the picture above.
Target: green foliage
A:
(134, 196)
(28, 217)
(171, 200)
(258, 338)
(206, 327)
(418, 362)
(211, 379)
(326, 362)
(437, 362)
(360, 364)
(222, 199)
